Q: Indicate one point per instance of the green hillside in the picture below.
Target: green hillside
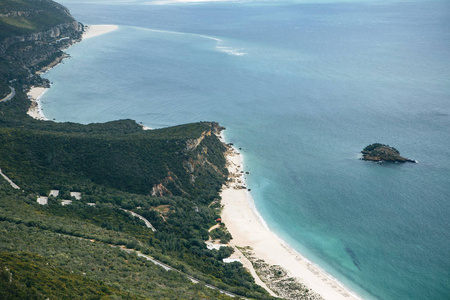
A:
(21, 17)
(92, 248)
(134, 162)
(50, 252)
(116, 165)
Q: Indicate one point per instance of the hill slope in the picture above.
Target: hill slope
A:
(170, 176)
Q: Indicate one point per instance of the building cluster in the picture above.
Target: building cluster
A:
(43, 200)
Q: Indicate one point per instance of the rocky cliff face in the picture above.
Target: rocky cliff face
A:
(203, 158)
(194, 143)
(68, 29)
(34, 48)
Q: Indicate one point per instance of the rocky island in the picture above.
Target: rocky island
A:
(383, 153)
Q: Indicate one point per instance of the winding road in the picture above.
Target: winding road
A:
(147, 222)
(10, 95)
(169, 268)
(9, 180)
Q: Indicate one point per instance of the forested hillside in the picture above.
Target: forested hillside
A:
(147, 162)
(171, 176)
(52, 251)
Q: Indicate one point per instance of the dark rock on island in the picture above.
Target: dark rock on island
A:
(383, 153)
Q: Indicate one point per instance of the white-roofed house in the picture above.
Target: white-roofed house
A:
(66, 202)
(42, 200)
(53, 193)
(76, 195)
(231, 260)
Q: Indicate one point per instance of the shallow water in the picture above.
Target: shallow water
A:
(302, 88)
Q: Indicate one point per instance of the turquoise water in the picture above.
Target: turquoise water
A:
(301, 88)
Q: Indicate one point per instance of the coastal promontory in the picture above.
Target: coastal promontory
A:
(383, 153)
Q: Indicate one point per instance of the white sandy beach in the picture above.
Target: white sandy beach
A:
(247, 229)
(35, 110)
(96, 30)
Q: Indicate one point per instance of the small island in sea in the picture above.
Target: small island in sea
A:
(383, 153)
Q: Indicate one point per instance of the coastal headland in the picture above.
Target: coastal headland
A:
(243, 221)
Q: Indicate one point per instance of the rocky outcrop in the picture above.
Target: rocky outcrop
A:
(200, 158)
(169, 183)
(36, 47)
(383, 153)
(160, 190)
(193, 143)
(201, 163)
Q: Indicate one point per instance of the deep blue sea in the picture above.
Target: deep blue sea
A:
(302, 87)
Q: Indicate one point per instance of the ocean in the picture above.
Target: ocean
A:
(302, 87)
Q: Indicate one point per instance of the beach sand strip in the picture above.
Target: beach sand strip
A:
(35, 110)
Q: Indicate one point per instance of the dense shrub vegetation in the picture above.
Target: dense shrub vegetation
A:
(77, 239)
(373, 146)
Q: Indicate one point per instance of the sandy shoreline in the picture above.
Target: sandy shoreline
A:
(247, 229)
(35, 110)
(96, 30)
(35, 93)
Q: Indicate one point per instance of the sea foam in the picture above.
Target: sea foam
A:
(219, 46)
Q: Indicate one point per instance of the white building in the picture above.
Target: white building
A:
(42, 200)
(66, 202)
(231, 260)
(53, 193)
(76, 195)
